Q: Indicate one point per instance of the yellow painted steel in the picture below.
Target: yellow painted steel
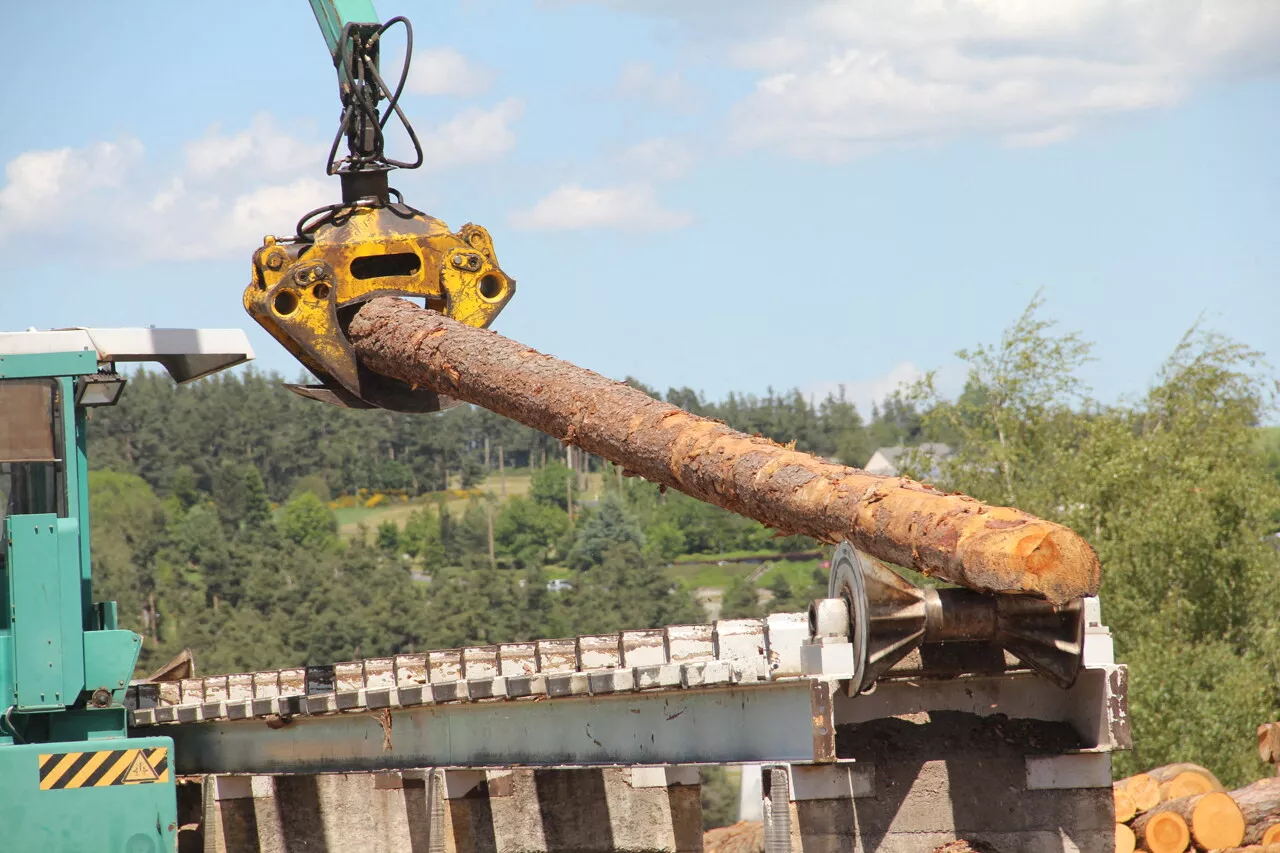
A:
(302, 289)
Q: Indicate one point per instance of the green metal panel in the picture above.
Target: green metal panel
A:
(113, 818)
(333, 15)
(44, 609)
(48, 364)
(109, 658)
(77, 477)
(88, 724)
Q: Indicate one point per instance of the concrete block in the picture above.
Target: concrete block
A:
(834, 660)
(1058, 772)
(786, 633)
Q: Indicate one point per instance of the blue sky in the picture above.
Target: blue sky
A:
(724, 195)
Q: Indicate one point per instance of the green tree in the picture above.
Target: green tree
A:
(1172, 491)
(740, 600)
(529, 531)
(552, 484)
(388, 537)
(257, 509)
(610, 524)
(308, 522)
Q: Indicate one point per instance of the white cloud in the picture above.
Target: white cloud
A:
(634, 207)
(263, 149)
(864, 393)
(474, 136)
(43, 188)
(835, 78)
(642, 81)
(227, 191)
(660, 159)
(444, 71)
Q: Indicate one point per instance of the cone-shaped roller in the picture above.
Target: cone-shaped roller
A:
(889, 617)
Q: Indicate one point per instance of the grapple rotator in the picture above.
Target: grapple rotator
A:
(305, 289)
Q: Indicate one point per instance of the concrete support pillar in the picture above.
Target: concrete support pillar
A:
(917, 784)
(457, 811)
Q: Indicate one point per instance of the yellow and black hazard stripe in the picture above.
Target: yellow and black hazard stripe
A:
(62, 770)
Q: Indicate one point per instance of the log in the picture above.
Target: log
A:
(1269, 742)
(1184, 780)
(1126, 841)
(1125, 807)
(1162, 832)
(1213, 819)
(1252, 848)
(949, 536)
(1142, 790)
(1260, 806)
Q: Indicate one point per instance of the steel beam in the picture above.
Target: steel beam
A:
(763, 722)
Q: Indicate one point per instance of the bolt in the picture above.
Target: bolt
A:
(274, 261)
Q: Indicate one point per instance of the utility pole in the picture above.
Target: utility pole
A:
(502, 471)
(488, 517)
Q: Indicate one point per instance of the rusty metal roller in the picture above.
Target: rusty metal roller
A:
(889, 617)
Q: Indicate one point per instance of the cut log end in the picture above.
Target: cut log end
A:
(1216, 821)
(1126, 841)
(1125, 809)
(1144, 791)
(1272, 834)
(1166, 832)
(1186, 784)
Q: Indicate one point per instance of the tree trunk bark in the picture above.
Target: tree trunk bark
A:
(1260, 805)
(953, 537)
(1214, 820)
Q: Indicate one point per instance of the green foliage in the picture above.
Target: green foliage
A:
(740, 600)
(529, 531)
(626, 590)
(308, 522)
(421, 538)
(552, 485)
(611, 524)
(387, 537)
(1174, 493)
(720, 789)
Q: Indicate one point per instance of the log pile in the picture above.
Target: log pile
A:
(1183, 807)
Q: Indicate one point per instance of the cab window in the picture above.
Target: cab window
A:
(31, 457)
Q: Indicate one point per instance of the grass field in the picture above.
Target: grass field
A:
(516, 485)
(697, 571)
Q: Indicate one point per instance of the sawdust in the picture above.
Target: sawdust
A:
(966, 847)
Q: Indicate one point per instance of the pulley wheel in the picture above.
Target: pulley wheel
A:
(846, 582)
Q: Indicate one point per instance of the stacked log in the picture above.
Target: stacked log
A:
(1182, 807)
(1212, 821)
(1269, 743)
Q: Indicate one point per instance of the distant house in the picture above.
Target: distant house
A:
(884, 462)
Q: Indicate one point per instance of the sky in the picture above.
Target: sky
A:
(730, 195)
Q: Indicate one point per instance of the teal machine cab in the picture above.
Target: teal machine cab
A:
(71, 778)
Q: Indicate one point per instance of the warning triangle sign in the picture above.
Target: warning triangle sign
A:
(140, 771)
